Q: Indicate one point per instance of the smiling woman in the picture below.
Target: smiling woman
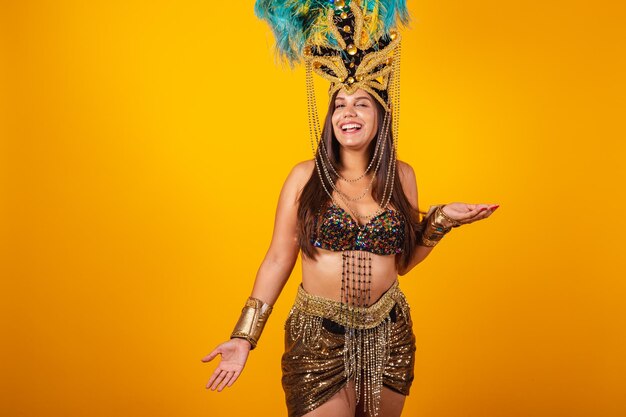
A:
(349, 343)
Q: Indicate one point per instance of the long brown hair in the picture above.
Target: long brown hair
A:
(313, 195)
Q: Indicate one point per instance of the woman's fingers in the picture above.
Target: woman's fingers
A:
(484, 211)
(222, 378)
(233, 379)
(464, 212)
(229, 368)
(471, 215)
(225, 378)
(217, 380)
(226, 381)
(215, 374)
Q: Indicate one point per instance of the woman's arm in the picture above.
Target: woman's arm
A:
(270, 278)
(419, 254)
(283, 251)
(461, 213)
(409, 186)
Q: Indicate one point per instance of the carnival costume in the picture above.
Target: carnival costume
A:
(354, 45)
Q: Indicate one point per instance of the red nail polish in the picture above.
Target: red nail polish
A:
(495, 207)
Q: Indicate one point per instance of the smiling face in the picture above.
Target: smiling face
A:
(355, 119)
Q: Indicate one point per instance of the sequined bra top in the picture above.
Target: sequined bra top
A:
(336, 230)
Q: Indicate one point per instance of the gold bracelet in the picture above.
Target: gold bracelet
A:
(434, 230)
(443, 216)
(253, 317)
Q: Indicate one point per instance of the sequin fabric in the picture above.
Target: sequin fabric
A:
(383, 234)
(314, 363)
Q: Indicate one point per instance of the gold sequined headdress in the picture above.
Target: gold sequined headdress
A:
(353, 44)
(359, 60)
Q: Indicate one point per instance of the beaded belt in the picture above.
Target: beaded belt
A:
(346, 315)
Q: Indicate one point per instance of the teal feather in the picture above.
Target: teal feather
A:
(394, 10)
(289, 23)
(293, 21)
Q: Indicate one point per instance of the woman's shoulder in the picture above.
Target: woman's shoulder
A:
(304, 168)
(300, 173)
(406, 172)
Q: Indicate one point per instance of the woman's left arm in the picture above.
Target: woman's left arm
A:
(462, 213)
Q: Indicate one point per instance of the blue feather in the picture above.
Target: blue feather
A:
(293, 21)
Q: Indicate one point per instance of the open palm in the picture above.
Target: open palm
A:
(234, 354)
(468, 213)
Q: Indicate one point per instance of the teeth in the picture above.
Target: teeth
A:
(350, 126)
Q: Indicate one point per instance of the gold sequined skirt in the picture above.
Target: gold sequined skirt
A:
(325, 348)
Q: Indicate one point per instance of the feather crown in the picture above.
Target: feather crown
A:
(351, 43)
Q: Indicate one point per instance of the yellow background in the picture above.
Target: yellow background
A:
(143, 147)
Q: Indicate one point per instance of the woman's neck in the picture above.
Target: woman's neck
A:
(353, 161)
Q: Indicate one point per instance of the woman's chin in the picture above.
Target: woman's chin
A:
(355, 140)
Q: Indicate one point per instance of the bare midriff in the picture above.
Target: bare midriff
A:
(322, 276)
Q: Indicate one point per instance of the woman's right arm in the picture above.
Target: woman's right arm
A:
(283, 251)
(271, 276)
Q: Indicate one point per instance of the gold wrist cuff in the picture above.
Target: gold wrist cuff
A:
(442, 218)
(435, 230)
(253, 317)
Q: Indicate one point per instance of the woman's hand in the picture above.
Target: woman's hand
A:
(468, 213)
(234, 354)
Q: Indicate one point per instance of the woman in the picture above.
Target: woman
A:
(335, 364)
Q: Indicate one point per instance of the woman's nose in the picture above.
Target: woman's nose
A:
(349, 111)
